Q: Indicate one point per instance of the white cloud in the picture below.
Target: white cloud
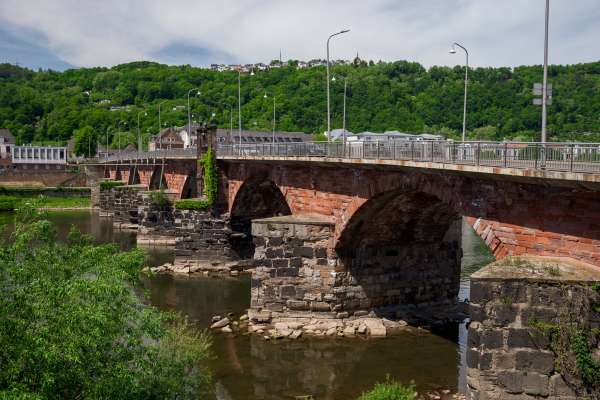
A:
(497, 33)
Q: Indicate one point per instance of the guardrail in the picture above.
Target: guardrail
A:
(575, 157)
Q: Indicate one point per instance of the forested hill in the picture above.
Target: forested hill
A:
(48, 106)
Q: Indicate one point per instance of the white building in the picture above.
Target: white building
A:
(38, 155)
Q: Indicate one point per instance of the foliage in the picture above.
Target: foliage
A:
(211, 179)
(86, 141)
(49, 106)
(390, 390)
(159, 198)
(29, 191)
(192, 204)
(106, 185)
(71, 326)
(8, 203)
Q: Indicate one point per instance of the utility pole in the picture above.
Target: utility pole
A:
(328, 95)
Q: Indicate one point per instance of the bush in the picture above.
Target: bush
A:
(8, 203)
(72, 327)
(192, 204)
(106, 185)
(390, 390)
(159, 198)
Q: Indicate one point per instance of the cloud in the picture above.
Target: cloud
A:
(108, 32)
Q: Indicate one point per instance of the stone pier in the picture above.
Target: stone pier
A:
(534, 330)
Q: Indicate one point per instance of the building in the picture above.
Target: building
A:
(177, 138)
(7, 141)
(36, 157)
(390, 136)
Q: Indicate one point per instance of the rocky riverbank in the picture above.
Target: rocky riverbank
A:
(188, 267)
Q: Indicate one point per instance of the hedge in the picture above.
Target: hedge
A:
(8, 203)
(27, 191)
(105, 185)
(192, 204)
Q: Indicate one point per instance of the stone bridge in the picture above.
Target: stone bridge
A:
(344, 236)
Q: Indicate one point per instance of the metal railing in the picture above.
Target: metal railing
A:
(190, 152)
(576, 157)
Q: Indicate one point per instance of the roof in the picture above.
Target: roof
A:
(336, 133)
(7, 135)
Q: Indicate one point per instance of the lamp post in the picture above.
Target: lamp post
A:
(160, 125)
(240, 106)
(139, 136)
(230, 120)
(344, 116)
(265, 96)
(545, 83)
(453, 51)
(328, 96)
(108, 128)
(190, 112)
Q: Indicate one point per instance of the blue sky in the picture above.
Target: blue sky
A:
(59, 34)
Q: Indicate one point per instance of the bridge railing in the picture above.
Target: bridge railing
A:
(576, 157)
(161, 153)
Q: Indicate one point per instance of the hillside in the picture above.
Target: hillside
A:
(47, 106)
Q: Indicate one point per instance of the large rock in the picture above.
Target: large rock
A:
(220, 324)
(375, 327)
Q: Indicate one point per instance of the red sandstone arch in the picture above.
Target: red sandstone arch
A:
(256, 198)
(157, 179)
(134, 176)
(189, 187)
(513, 216)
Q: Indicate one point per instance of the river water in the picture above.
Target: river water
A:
(247, 367)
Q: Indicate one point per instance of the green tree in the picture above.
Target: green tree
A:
(86, 140)
(72, 327)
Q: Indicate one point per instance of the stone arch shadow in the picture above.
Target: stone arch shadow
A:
(400, 249)
(189, 189)
(256, 198)
(158, 180)
(134, 176)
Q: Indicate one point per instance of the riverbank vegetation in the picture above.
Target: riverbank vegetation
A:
(49, 106)
(72, 327)
(10, 203)
(390, 390)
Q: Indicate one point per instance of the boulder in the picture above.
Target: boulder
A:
(226, 329)
(220, 324)
(349, 331)
(375, 327)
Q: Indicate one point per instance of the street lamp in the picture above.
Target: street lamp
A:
(453, 51)
(545, 83)
(240, 105)
(190, 112)
(230, 120)
(138, 129)
(328, 96)
(265, 96)
(159, 124)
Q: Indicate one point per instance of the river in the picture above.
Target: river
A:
(247, 367)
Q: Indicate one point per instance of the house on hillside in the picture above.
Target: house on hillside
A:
(7, 141)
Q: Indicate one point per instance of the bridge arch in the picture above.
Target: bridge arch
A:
(157, 179)
(400, 247)
(134, 176)
(189, 187)
(118, 175)
(257, 197)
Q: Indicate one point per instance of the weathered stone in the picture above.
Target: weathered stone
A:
(511, 381)
(558, 387)
(374, 327)
(295, 334)
(538, 361)
(491, 339)
(535, 384)
(226, 329)
(220, 324)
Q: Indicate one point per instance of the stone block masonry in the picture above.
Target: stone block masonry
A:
(122, 202)
(294, 271)
(525, 313)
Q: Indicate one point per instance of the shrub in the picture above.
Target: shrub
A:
(106, 185)
(390, 390)
(8, 203)
(72, 327)
(192, 204)
(159, 198)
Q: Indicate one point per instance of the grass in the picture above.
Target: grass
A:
(390, 390)
(9, 203)
(192, 204)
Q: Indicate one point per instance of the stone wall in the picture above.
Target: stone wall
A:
(294, 272)
(122, 202)
(522, 311)
(201, 236)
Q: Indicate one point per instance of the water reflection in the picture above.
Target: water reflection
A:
(248, 367)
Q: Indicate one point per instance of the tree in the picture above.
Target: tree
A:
(72, 327)
(86, 141)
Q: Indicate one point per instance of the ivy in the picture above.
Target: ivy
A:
(589, 369)
(211, 179)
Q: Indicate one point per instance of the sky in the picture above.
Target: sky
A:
(60, 34)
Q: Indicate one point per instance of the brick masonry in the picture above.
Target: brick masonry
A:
(514, 217)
